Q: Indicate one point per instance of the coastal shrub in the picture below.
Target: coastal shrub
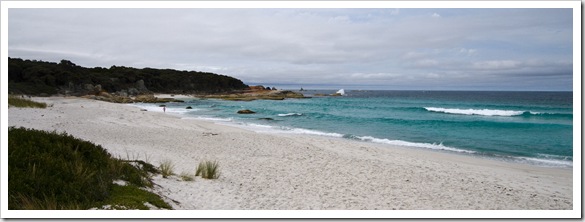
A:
(55, 167)
(166, 168)
(208, 170)
(18, 101)
(54, 171)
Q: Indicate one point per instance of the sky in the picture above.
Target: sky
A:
(378, 48)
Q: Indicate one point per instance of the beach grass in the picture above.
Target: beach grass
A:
(55, 171)
(186, 176)
(167, 167)
(17, 101)
(208, 170)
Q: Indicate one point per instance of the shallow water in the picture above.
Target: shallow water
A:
(530, 127)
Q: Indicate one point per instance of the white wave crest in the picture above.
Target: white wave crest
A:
(291, 114)
(545, 162)
(433, 146)
(314, 132)
(212, 119)
(481, 112)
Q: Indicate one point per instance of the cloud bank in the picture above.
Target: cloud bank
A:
(482, 49)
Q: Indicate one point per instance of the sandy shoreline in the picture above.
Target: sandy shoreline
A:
(297, 172)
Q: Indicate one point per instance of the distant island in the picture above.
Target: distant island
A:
(126, 84)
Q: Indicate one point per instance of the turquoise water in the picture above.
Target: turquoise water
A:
(528, 127)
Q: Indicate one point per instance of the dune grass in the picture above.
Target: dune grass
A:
(17, 101)
(48, 170)
(167, 167)
(186, 176)
(208, 170)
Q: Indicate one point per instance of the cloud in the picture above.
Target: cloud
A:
(366, 46)
(497, 65)
(467, 52)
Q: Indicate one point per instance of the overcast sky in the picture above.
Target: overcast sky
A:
(459, 49)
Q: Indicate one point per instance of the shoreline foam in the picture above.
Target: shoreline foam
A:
(292, 172)
(549, 161)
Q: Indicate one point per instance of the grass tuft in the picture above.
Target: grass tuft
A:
(166, 168)
(17, 101)
(208, 170)
(186, 176)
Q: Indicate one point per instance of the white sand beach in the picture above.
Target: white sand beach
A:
(262, 171)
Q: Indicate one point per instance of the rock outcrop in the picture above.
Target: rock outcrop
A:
(246, 111)
(146, 98)
(257, 92)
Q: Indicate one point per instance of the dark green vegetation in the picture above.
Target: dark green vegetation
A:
(57, 171)
(18, 101)
(208, 170)
(47, 78)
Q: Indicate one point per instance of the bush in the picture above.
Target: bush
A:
(57, 171)
(208, 170)
(17, 101)
(55, 166)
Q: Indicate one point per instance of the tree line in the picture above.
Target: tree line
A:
(35, 77)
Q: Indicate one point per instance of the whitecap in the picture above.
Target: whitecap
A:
(434, 146)
(480, 112)
(290, 114)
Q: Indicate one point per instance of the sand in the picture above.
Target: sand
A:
(264, 171)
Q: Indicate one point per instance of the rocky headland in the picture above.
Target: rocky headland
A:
(255, 93)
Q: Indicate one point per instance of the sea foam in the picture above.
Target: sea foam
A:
(290, 114)
(434, 146)
(481, 112)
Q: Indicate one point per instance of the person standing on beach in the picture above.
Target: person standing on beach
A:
(164, 109)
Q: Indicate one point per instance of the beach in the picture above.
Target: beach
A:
(271, 171)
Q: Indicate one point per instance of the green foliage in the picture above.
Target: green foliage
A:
(57, 171)
(166, 168)
(36, 77)
(17, 101)
(208, 170)
(132, 197)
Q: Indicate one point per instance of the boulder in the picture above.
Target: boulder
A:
(133, 92)
(140, 86)
(105, 94)
(189, 107)
(147, 98)
(246, 111)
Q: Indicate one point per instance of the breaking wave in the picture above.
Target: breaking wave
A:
(491, 112)
(290, 114)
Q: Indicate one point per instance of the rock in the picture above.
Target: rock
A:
(143, 110)
(189, 107)
(269, 119)
(133, 92)
(257, 88)
(246, 111)
(140, 86)
(97, 88)
(123, 93)
(105, 94)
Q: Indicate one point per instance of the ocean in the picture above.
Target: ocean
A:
(525, 127)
